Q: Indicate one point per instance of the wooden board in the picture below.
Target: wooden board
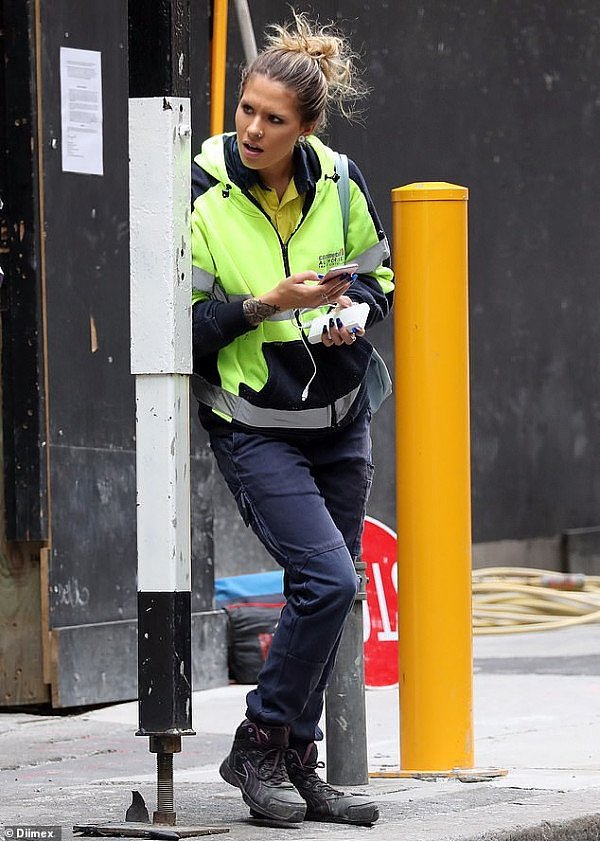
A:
(21, 665)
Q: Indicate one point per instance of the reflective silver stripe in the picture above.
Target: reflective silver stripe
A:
(241, 410)
(201, 280)
(219, 294)
(343, 404)
(205, 282)
(284, 315)
(373, 257)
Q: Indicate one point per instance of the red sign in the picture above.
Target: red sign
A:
(380, 617)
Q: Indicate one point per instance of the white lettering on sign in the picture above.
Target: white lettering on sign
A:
(388, 634)
(366, 621)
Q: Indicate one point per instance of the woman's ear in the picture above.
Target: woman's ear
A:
(309, 128)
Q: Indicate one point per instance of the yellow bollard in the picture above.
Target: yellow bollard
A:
(433, 477)
(218, 57)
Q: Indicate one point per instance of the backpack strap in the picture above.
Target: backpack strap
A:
(343, 185)
(379, 383)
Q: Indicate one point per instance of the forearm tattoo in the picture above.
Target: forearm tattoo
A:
(256, 310)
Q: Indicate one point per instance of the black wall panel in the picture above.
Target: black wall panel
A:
(90, 391)
(24, 424)
(87, 244)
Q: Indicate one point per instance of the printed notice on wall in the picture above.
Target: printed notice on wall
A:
(81, 110)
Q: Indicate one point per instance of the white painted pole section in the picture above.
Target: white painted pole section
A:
(160, 190)
(161, 338)
(163, 487)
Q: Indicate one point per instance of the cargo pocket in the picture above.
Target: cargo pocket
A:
(254, 519)
(355, 549)
(242, 504)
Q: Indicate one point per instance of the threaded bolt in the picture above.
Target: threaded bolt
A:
(164, 812)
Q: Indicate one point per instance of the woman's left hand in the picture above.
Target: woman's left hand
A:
(336, 334)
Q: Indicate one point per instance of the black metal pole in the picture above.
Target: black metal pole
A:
(159, 48)
(159, 57)
(160, 170)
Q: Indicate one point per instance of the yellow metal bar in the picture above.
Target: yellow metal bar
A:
(218, 58)
(433, 477)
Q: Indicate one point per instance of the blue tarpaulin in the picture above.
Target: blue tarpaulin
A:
(246, 588)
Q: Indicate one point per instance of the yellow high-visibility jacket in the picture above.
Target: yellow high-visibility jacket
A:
(257, 376)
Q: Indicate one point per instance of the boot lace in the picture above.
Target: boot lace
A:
(306, 776)
(270, 766)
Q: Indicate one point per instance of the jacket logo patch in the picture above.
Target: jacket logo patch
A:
(334, 258)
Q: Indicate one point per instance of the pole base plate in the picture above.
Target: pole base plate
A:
(131, 829)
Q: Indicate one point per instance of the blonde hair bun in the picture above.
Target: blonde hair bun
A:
(328, 49)
(315, 61)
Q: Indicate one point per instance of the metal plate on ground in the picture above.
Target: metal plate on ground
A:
(145, 830)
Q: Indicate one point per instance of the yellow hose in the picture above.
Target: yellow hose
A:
(509, 600)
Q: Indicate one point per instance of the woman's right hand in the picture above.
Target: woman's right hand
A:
(294, 293)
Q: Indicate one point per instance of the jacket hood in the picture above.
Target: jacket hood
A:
(220, 158)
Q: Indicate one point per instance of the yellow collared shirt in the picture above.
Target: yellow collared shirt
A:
(284, 214)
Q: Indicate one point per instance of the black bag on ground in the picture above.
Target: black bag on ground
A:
(250, 630)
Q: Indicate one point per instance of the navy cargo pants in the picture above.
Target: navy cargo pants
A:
(305, 499)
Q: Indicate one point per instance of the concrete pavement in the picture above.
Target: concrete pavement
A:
(537, 714)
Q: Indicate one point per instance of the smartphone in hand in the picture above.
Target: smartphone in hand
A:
(339, 272)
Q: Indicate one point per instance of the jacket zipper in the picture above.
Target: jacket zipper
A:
(286, 265)
(283, 245)
(284, 253)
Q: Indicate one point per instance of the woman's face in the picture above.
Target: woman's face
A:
(268, 125)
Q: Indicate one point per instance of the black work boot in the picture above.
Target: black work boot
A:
(324, 803)
(256, 766)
